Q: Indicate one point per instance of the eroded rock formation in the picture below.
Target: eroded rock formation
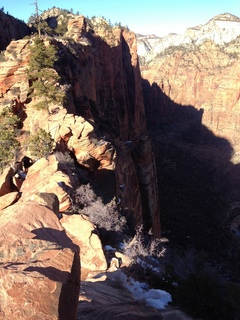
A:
(104, 122)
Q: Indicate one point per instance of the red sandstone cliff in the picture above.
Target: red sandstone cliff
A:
(104, 121)
(192, 95)
(204, 76)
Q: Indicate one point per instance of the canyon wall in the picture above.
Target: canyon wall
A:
(11, 28)
(205, 77)
(192, 100)
(201, 70)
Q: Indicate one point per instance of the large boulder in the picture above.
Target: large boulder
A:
(39, 265)
(83, 233)
(45, 177)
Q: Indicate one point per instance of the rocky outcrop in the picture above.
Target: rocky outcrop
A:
(105, 296)
(115, 102)
(11, 28)
(45, 177)
(40, 266)
(84, 234)
(13, 78)
(104, 122)
(8, 199)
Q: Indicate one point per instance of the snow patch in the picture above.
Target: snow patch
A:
(140, 291)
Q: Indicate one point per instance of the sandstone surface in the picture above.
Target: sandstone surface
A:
(44, 176)
(84, 234)
(8, 199)
(102, 297)
(40, 266)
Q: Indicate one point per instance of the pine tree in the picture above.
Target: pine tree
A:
(40, 144)
(41, 71)
(8, 140)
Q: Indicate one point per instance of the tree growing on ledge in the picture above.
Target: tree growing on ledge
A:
(8, 136)
(45, 80)
(40, 144)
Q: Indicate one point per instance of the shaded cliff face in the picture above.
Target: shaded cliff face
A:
(197, 87)
(206, 77)
(11, 28)
(104, 122)
(192, 108)
(115, 102)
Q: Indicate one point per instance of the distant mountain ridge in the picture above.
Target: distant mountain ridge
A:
(221, 29)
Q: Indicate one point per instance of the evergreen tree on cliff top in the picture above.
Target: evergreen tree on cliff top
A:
(45, 80)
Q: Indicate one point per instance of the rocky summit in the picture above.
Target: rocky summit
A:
(119, 183)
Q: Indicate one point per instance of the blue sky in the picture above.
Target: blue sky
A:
(141, 16)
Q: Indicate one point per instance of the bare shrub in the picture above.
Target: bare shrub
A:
(106, 216)
(65, 162)
(136, 247)
(103, 216)
(85, 196)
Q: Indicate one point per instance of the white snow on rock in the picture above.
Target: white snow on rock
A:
(140, 291)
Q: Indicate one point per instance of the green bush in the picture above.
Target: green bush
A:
(8, 136)
(45, 80)
(40, 144)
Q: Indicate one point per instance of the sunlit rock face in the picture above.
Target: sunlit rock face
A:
(40, 265)
(205, 77)
(45, 177)
(83, 233)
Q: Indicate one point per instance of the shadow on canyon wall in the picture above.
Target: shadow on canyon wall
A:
(197, 180)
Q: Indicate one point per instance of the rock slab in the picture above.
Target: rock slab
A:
(39, 265)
